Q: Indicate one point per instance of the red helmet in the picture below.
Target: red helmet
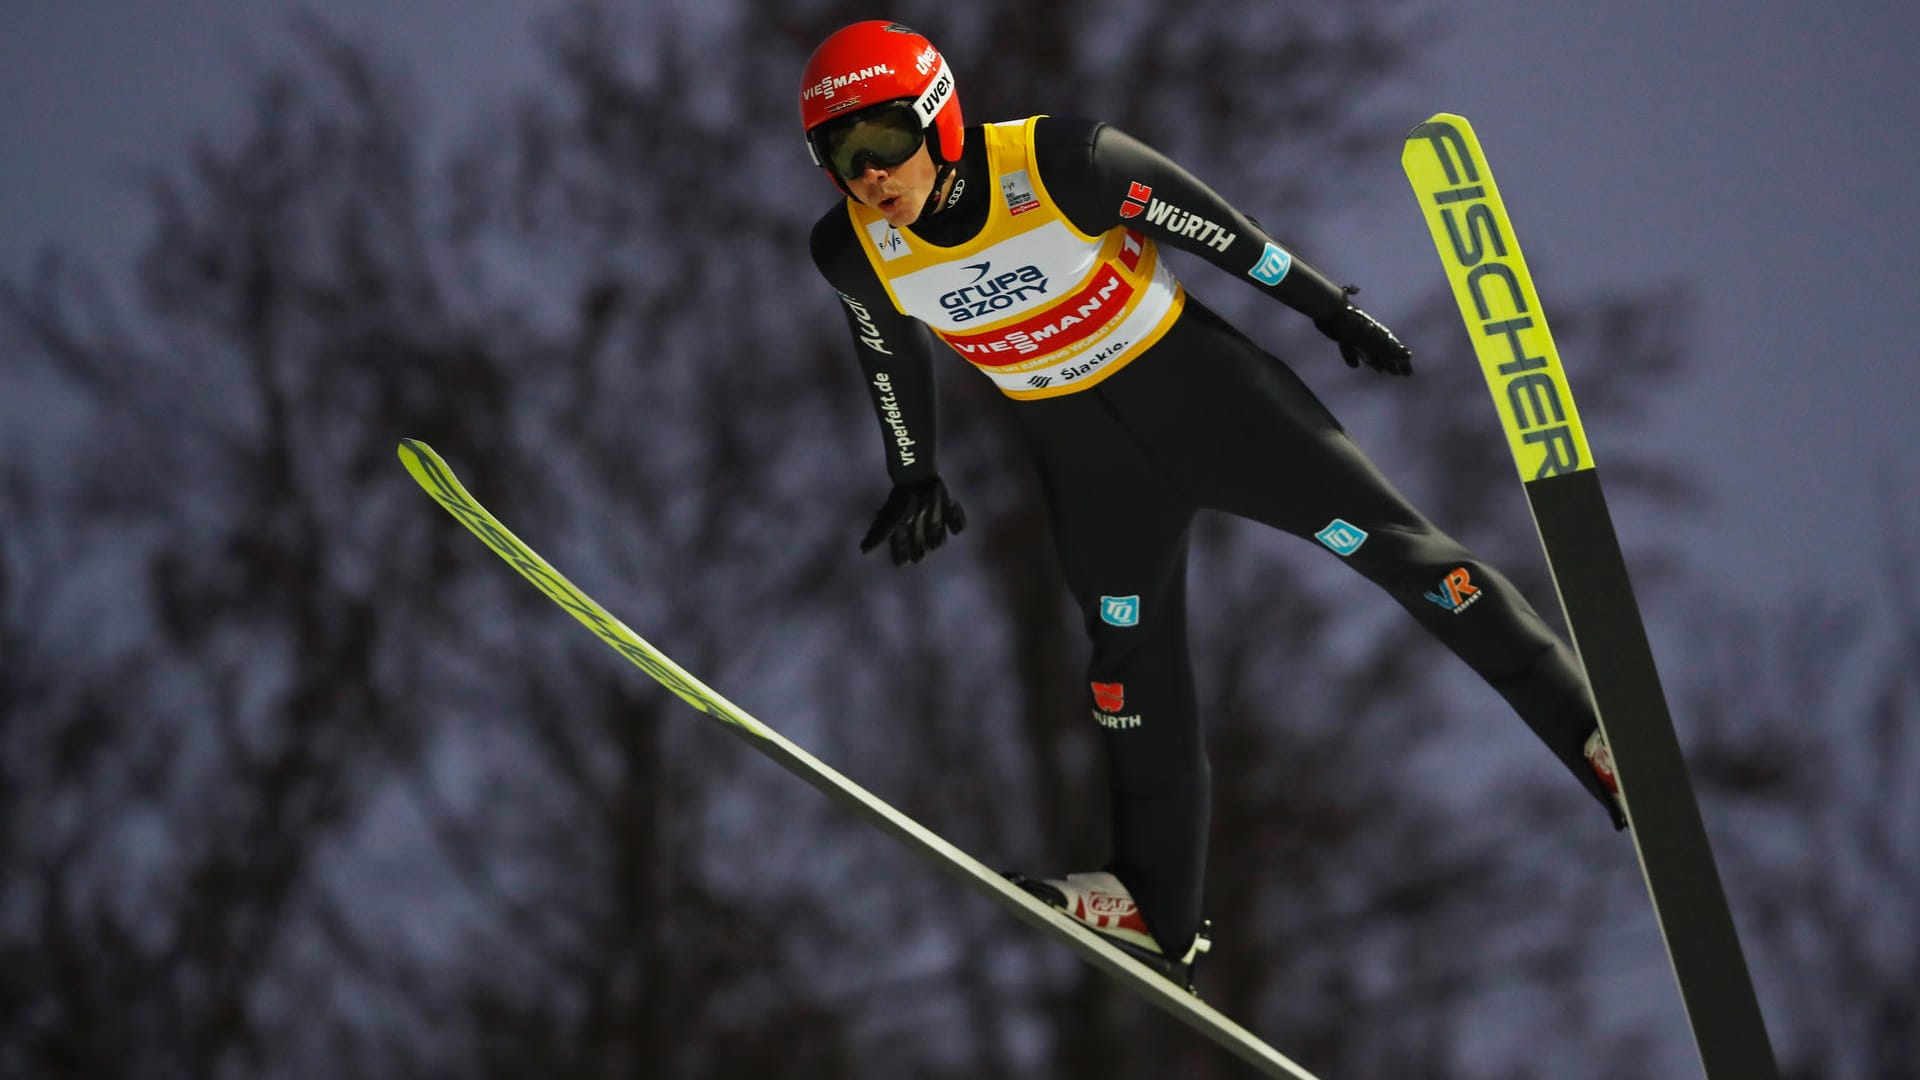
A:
(875, 63)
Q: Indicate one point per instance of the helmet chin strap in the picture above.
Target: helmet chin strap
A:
(934, 204)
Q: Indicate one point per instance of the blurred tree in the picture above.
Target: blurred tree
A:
(223, 802)
(300, 781)
(1807, 732)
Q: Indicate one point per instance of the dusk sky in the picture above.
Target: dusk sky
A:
(1763, 161)
(1760, 157)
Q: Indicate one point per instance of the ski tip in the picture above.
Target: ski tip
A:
(1439, 121)
(423, 463)
(413, 451)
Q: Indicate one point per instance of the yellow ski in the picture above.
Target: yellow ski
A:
(1508, 328)
(433, 474)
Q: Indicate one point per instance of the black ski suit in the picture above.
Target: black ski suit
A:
(1202, 418)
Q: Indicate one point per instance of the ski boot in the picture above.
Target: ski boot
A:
(1600, 756)
(1103, 904)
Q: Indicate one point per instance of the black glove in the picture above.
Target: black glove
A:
(1362, 337)
(916, 519)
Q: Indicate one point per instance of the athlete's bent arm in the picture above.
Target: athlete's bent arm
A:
(1102, 177)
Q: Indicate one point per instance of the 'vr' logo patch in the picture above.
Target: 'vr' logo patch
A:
(1457, 591)
(1120, 610)
(1341, 538)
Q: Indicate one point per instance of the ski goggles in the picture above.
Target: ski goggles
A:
(883, 136)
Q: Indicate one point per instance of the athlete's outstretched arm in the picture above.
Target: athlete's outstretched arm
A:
(898, 364)
(891, 347)
(1102, 177)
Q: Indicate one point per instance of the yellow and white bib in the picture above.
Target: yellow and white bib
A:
(1040, 307)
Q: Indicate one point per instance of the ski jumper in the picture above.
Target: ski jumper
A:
(1141, 407)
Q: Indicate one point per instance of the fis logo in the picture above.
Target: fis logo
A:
(888, 241)
(1456, 592)
(1341, 538)
(1017, 188)
(1120, 610)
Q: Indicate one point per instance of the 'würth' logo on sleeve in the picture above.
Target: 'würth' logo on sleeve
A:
(1177, 221)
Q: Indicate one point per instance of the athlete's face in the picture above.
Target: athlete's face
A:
(898, 193)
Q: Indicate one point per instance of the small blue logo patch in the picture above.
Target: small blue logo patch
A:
(1273, 265)
(1120, 610)
(1341, 538)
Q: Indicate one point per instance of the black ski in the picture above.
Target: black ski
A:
(1475, 238)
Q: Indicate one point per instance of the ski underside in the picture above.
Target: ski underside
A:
(1474, 236)
(439, 481)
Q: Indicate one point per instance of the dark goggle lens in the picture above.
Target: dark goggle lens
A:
(883, 138)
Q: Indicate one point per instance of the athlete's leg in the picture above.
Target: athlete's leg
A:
(1270, 451)
(1120, 529)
